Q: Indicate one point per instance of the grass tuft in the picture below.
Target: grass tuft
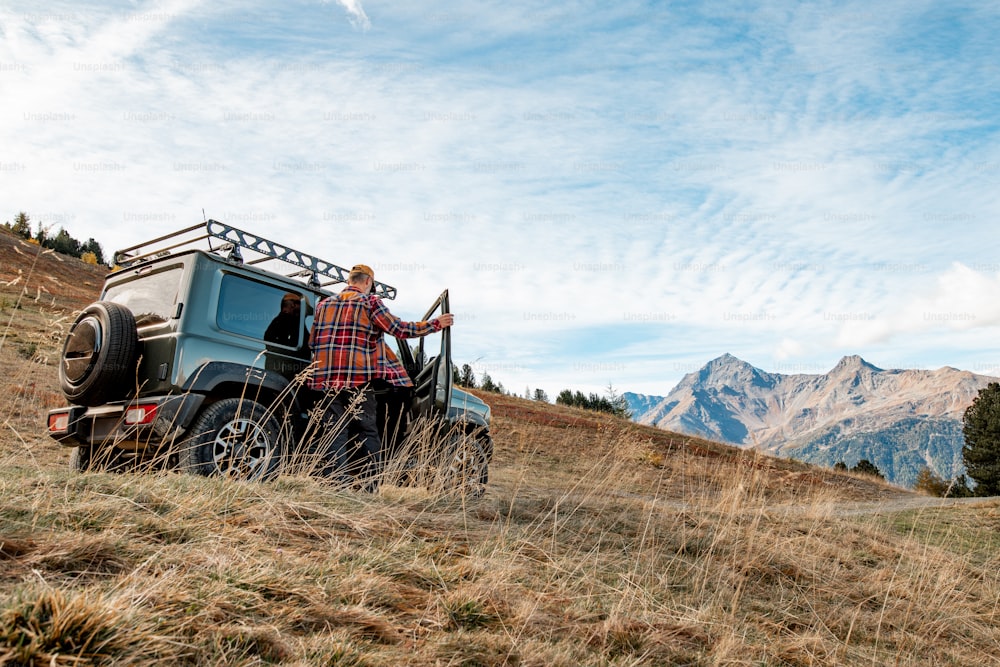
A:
(49, 627)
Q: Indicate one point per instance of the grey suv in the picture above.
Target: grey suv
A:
(181, 362)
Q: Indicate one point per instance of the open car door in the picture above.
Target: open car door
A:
(429, 366)
(459, 459)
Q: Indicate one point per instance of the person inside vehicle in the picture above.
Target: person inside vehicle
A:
(347, 344)
(286, 326)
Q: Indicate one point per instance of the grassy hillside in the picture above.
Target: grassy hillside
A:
(598, 542)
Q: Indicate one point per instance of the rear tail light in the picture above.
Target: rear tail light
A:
(140, 414)
(59, 422)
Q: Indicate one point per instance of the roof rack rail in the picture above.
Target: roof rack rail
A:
(234, 239)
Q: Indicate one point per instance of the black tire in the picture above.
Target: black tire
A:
(79, 458)
(99, 356)
(85, 459)
(466, 468)
(233, 437)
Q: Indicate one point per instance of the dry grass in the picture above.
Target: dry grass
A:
(597, 543)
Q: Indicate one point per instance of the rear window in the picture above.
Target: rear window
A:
(152, 297)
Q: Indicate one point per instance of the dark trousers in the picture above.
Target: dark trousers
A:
(354, 452)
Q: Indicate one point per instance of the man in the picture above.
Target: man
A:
(346, 340)
(284, 328)
(287, 330)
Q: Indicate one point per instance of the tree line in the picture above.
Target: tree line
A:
(612, 402)
(466, 377)
(89, 251)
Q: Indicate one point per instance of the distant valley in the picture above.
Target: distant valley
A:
(900, 420)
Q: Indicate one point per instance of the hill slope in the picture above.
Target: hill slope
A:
(599, 541)
(901, 420)
(31, 272)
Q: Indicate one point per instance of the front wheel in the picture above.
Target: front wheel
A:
(233, 437)
(466, 468)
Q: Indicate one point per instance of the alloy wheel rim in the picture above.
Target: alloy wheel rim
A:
(240, 448)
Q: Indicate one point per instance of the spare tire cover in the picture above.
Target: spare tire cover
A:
(98, 361)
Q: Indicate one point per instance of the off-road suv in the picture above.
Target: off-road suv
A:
(185, 360)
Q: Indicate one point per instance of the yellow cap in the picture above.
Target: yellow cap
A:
(363, 268)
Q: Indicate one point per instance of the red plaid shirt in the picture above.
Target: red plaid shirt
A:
(346, 336)
(391, 368)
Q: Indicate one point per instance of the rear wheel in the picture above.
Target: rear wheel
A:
(233, 437)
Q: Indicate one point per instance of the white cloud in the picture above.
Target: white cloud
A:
(958, 300)
(692, 193)
(356, 13)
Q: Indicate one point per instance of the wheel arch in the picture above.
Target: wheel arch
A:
(218, 380)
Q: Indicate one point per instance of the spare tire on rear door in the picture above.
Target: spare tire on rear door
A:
(98, 361)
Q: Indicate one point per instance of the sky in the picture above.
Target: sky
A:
(612, 195)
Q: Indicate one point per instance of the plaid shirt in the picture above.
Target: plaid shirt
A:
(391, 368)
(346, 338)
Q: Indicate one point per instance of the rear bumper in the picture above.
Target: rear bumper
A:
(135, 425)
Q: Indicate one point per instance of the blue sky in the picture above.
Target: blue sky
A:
(612, 194)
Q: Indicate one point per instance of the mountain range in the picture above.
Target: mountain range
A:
(900, 420)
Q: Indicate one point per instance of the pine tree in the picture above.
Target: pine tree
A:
(541, 396)
(62, 243)
(94, 247)
(22, 225)
(466, 377)
(960, 488)
(866, 467)
(487, 383)
(617, 403)
(981, 452)
(42, 234)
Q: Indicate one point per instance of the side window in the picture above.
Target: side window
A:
(261, 311)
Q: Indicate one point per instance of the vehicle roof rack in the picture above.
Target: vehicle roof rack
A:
(234, 239)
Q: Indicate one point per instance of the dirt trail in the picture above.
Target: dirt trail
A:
(832, 509)
(891, 505)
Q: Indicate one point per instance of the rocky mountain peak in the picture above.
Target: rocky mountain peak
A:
(899, 419)
(853, 364)
(726, 363)
(734, 372)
